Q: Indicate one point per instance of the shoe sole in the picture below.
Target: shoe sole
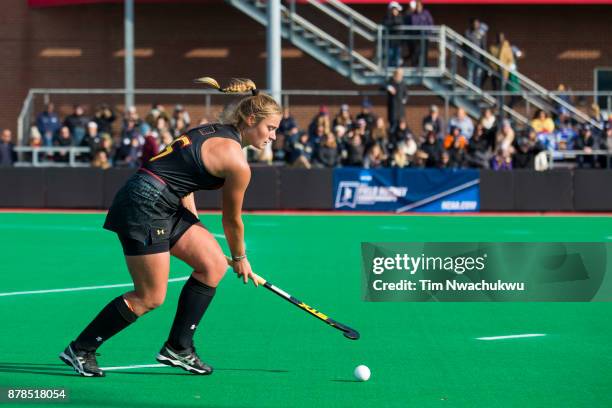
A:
(175, 363)
(69, 362)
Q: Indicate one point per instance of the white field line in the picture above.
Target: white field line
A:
(133, 366)
(514, 336)
(82, 288)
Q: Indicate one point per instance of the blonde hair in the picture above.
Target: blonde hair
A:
(259, 105)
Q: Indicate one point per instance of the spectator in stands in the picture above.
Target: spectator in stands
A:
(63, 139)
(542, 123)
(35, 139)
(92, 139)
(287, 122)
(488, 121)
(301, 152)
(292, 137)
(362, 130)
(366, 114)
(432, 148)
(454, 138)
(477, 34)
(505, 137)
(564, 96)
(463, 122)
(179, 127)
(104, 118)
(165, 139)
(445, 160)
(344, 117)
(375, 157)
(48, 124)
(588, 142)
(401, 133)
(100, 160)
(399, 158)
(128, 152)
(502, 160)
(132, 114)
(180, 114)
(108, 146)
(597, 115)
(77, 124)
(397, 97)
(156, 111)
(327, 154)
(315, 139)
(354, 151)
(525, 153)
(131, 130)
(478, 148)
(433, 122)
(457, 152)
(8, 156)
(565, 133)
(161, 124)
(502, 50)
(322, 118)
(392, 21)
(419, 47)
(379, 130)
(403, 153)
(133, 158)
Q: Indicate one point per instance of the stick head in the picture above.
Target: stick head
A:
(351, 334)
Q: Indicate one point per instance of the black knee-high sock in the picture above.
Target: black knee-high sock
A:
(115, 317)
(193, 302)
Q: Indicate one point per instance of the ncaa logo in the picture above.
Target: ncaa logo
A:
(347, 194)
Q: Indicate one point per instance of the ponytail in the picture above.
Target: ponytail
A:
(259, 104)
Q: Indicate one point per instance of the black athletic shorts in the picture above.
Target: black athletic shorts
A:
(147, 216)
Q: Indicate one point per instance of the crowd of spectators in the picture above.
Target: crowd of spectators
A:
(127, 144)
(364, 140)
(331, 139)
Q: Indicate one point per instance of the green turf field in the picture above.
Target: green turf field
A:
(268, 353)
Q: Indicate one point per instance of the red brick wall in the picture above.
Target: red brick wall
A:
(544, 32)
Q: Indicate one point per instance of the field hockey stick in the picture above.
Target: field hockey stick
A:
(347, 331)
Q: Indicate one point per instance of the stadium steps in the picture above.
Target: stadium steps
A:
(446, 78)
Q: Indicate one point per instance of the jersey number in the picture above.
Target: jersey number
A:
(183, 140)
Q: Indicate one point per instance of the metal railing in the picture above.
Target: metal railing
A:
(451, 47)
(37, 96)
(578, 156)
(47, 156)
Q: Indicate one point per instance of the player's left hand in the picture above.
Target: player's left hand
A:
(243, 268)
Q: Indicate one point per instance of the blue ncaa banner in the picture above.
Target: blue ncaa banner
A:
(403, 190)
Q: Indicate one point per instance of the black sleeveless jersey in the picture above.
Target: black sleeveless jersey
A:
(181, 164)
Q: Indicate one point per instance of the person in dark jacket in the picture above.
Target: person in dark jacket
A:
(397, 97)
(104, 118)
(478, 149)
(77, 124)
(8, 156)
(418, 17)
(525, 153)
(327, 153)
(287, 122)
(48, 124)
(433, 148)
(392, 21)
(63, 139)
